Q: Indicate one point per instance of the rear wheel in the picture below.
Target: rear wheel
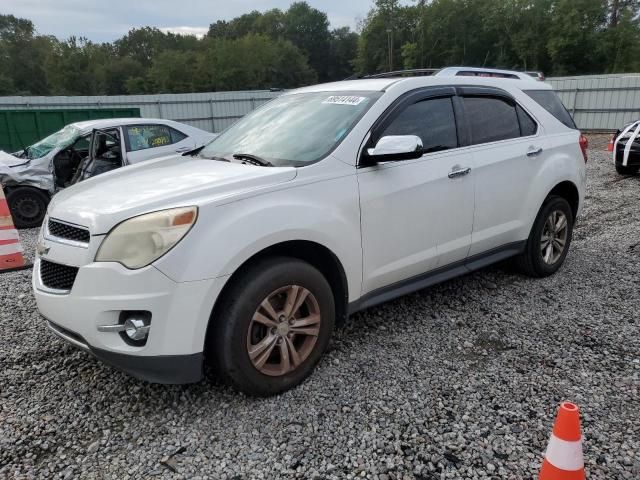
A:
(28, 206)
(622, 170)
(272, 326)
(549, 240)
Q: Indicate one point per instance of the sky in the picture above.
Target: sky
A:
(107, 20)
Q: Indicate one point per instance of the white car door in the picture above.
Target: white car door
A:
(508, 150)
(145, 142)
(417, 215)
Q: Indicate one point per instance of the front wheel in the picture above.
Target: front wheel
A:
(549, 240)
(272, 326)
(622, 170)
(28, 206)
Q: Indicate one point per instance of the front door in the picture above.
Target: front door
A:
(417, 215)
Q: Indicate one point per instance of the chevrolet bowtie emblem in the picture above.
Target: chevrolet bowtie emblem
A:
(41, 249)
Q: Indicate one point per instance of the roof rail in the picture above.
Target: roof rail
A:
(416, 72)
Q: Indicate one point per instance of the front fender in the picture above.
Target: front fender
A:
(226, 236)
(34, 173)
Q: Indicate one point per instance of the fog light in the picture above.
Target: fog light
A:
(136, 327)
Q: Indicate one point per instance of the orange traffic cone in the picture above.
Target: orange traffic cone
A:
(563, 459)
(610, 144)
(11, 257)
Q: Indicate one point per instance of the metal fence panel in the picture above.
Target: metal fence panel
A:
(597, 102)
(600, 102)
(211, 111)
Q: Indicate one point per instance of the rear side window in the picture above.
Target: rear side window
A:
(552, 104)
(432, 120)
(177, 136)
(141, 137)
(528, 125)
(491, 119)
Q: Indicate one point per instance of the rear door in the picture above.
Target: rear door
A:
(145, 142)
(508, 149)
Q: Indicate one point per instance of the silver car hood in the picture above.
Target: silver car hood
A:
(22, 171)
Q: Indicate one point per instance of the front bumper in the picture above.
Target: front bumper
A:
(180, 314)
(168, 369)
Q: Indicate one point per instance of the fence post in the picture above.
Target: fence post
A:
(159, 108)
(213, 116)
(575, 101)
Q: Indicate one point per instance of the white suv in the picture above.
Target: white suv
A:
(325, 201)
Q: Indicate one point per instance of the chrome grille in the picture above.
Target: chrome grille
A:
(56, 276)
(68, 232)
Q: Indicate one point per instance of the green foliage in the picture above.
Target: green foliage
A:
(254, 51)
(294, 47)
(555, 36)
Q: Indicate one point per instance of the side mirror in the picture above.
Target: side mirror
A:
(396, 147)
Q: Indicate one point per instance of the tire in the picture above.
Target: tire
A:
(622, 170)
(533, 262)
(235, 333)
(28, 206)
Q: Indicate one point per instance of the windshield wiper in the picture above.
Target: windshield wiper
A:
(194, 152)
(252, 159)
(213, 157)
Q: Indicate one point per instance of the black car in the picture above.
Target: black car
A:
(618, 145)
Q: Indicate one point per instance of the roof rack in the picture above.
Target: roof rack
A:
(416, 72)
(455, 71)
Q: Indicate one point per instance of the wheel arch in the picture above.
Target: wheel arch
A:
(311, 252)
(569, 191)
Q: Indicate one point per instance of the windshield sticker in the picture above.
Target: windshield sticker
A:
(345, 100)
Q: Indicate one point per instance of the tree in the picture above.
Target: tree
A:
(308, 29)
(265, 63)
(343, 49)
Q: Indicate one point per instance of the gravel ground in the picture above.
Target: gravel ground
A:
(458, 381)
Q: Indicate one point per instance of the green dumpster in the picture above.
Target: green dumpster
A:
(20, 128)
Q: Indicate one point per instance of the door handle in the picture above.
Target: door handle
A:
(534, 151)
(459, 172)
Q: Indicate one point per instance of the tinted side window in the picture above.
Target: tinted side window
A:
(528, 125)
(177, 136)
(491, 119)
(552, 104)
(141, 137)
(432, 120)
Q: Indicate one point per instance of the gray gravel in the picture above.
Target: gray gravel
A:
(458, 381)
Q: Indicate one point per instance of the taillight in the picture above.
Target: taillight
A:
(584, 145)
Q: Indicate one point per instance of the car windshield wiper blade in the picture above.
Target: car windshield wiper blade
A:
(213, 157)
(194, 152)
(252, 159)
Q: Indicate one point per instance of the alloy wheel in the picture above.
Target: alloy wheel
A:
(554, 237)
(284, 330)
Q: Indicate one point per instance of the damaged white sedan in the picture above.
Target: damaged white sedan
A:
(83, 150)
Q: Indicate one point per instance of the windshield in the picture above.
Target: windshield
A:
(295, 129)
(60, 139)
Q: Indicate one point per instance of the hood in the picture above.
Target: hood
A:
(11, 160)
(25, 172)
(103, 201)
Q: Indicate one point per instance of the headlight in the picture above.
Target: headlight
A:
(139, 241)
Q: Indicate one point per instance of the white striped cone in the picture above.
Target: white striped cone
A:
(11, 256)
(563, 459)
